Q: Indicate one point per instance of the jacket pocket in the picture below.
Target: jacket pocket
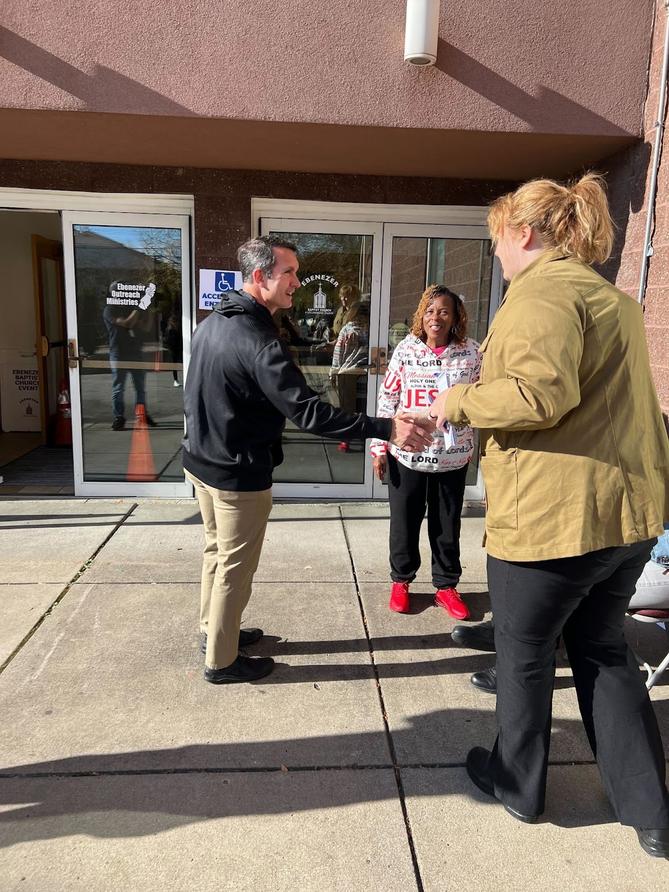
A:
(500, 474)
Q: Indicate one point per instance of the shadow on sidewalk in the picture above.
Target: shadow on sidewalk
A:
(148, 792)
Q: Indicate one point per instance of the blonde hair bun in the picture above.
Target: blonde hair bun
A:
(574, 218)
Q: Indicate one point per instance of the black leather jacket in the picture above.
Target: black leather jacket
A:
(241, 386)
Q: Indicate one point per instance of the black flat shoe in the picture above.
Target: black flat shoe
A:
(477, 760)
(485, 680)
(243, 669)
(247, 637)
(654, 842)
(479, 637)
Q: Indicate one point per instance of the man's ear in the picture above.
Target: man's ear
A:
(257, 277)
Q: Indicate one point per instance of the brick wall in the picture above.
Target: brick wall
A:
(223, 197)
(628, 174)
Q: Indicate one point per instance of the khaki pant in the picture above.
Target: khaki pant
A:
(234, 529)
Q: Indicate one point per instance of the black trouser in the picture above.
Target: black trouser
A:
(584, 599)
(409, 493)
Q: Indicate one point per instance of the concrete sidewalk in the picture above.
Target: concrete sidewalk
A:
(121, 769)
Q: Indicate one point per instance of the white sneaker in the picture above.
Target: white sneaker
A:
(176, 384)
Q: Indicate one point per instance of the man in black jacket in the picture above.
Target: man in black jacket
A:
(242, 384)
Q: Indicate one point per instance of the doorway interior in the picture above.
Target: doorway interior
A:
(35, 438)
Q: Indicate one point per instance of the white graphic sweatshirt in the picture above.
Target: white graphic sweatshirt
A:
(414, 377)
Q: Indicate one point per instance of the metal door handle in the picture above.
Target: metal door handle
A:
(72, 359)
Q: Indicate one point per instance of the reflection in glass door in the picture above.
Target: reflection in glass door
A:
(128, 308)
(415, 256)
(331, 331)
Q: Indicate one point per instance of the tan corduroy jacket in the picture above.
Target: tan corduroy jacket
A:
(575, 456)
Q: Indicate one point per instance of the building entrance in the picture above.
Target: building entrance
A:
(36, 437)
(96, 303)
(363, 269)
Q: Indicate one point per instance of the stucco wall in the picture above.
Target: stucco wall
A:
(577, 66)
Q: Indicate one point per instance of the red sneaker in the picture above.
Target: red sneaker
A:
(399, 597)
(450, 600)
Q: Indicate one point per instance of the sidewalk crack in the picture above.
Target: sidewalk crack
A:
(80, 572)
(397, 768)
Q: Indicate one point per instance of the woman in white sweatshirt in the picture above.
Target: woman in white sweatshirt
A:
(434, 356)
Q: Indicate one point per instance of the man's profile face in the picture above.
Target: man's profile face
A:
(279, 287)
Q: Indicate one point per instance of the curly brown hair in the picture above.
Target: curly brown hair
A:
(458, 332)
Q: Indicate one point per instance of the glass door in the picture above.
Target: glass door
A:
(415, 256)
(331, 331)
(127, 286)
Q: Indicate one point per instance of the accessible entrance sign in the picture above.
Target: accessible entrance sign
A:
(214, 283)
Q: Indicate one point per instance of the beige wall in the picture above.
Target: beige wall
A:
(17, 301)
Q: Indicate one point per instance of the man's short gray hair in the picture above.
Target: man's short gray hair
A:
(257, 253)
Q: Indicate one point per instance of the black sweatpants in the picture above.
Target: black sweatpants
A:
(410, 493)
(584, 599)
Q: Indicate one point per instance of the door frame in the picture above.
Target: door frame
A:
(47, 248)
(460, 221)
(96, 218)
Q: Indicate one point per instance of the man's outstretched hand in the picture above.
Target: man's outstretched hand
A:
(411, 432)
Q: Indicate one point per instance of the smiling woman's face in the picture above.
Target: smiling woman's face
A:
(438, 320)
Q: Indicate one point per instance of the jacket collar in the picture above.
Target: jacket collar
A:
(235, 302)
(547, 256)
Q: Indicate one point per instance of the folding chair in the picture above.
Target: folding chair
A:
(650, 604)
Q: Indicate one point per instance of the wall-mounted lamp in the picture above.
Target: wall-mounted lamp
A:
(421, 32)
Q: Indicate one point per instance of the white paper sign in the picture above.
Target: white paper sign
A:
(19, 391)
(214, 283)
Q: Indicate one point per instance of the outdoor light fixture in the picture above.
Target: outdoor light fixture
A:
(421, 32)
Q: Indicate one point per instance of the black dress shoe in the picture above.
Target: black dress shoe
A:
(247, 637)
(479, 637)
(485, 680)
(654, 842)
(477, 761)
(243, 669)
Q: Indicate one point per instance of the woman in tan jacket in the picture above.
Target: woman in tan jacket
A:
(576, 462)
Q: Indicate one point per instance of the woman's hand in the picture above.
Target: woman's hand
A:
(380, 464)
(436, 411)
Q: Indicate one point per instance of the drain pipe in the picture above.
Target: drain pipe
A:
(652, 189)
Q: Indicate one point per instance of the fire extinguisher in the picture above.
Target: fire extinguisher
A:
(63, 432)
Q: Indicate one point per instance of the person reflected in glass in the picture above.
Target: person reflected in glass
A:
(350, 359)
(349, 299)
(435, 354)
(127, 335)
(174, 343)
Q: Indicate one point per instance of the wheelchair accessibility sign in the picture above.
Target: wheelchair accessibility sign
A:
(214, 284)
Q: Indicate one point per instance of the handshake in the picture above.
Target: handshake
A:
(414, 432)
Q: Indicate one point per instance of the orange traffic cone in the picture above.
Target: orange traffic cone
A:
(140, 460)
